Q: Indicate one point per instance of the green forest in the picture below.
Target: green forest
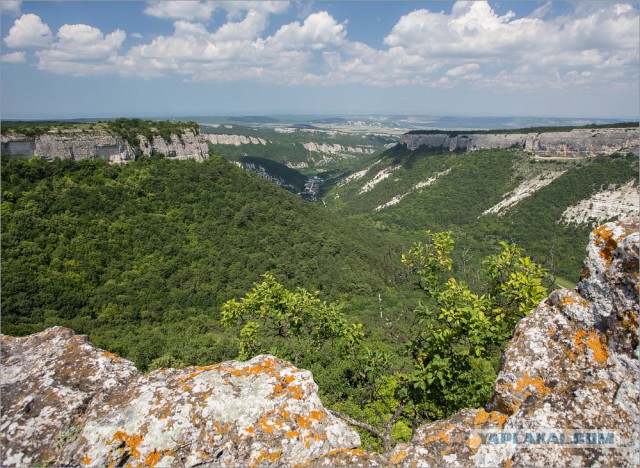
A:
(400, 313)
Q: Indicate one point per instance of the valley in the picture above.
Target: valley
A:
(137, 233)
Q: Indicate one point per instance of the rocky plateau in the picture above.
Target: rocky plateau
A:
(574, 143)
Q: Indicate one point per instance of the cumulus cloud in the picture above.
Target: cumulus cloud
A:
(202, 10)
(81, 49)
(13, 57)
(10, 6)
(318, 31)
(28, 31)
(472, 44)
(187, 10)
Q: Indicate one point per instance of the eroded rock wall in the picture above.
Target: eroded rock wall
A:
(91, 144)
(575, 143)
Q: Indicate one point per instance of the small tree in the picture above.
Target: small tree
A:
(462, 330)
(297, 321)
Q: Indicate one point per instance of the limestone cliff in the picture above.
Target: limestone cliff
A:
(574, 143)
(568, 391)
(94, 144)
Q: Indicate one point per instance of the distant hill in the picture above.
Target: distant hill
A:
(490, 195)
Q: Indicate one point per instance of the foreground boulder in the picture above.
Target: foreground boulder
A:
(567, 394)
(68, 403)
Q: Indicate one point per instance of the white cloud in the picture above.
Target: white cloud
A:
(462, 69)
(28, 31)
(10, 6)
(187, 10)
(196, 10)
(593, 44)
(13, 57)
(82, 50)
(318, 31)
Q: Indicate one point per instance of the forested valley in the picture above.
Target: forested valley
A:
(401, 314)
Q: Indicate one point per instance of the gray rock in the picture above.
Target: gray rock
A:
(68, 403)
(97, 144)
(575, 143)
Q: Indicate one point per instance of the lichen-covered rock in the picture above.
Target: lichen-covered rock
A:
(571, 368)
(66, 402)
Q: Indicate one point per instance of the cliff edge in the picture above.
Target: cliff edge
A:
(102, 144)
(574, 143)
(567, 394)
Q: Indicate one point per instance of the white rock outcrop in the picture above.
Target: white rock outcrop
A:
(574, 143)
(99, 144)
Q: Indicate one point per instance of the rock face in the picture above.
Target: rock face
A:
(575, 143)
(235, 140)
(335, 148)
(188, 145)
(68, 403)
(94, 144)
(568, 391)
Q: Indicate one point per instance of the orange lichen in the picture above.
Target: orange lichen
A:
(610, 244)
(303, 422)
(289, 379)
(132, 442)
(186, 388)
(599, 349)
(153, 458)
(110, 355)
(86, 460)
(481, 416)
(398, 456)
(272, 457)
(592, 341)
(442, 436)
(494, 416)
(317, 415)
(528, 382)
(508, 463)
(292, 434)
(629, 320)
(474, 442)
(269, 425)
(250, 430)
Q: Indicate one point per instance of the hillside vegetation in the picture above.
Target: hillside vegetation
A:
(426, 188)
(142, 256)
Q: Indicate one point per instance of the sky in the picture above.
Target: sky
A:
(77, 59)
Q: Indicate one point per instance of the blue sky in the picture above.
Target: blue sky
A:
(70, 59)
